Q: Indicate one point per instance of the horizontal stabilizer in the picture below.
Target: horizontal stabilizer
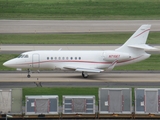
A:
(143, 46)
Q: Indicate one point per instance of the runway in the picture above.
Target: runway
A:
(74, 26)
(113, 79)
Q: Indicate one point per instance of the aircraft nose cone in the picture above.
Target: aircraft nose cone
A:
(5, 64)
(9, 63)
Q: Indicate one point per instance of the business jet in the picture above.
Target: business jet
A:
(132, 51)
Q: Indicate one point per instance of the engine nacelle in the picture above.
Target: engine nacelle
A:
(113, 55)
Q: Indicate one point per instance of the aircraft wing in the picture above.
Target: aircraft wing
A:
(85, 69)
(89, 70)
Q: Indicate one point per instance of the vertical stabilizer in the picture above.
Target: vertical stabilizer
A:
(138, 38)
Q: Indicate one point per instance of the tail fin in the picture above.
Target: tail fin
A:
(137, 40)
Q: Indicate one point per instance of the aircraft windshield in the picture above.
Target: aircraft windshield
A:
(26, 56)
(23, 56)
(19, 56)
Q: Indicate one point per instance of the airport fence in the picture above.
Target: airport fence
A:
(113, 103)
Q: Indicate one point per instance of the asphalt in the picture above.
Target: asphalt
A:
(18, 49)
(63, 79)
(74, 26)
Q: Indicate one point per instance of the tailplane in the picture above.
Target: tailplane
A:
(137, 40)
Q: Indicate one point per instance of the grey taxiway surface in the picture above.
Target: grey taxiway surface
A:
(71, 26)
(18, 49)
(113, 79)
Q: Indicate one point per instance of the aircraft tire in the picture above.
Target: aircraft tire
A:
(28, 76)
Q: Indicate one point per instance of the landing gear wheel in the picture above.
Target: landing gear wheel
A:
(29, 73)
(28, 76)
(85, 75)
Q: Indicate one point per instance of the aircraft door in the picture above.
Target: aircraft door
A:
(35, 60)
(103, 55)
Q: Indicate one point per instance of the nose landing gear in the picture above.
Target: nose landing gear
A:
(28, 76)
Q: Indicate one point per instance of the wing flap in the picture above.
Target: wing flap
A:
(84, 69)
(89, 70)
(69, 68)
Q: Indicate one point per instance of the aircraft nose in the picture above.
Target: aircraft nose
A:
(9, 63)
(6, 64)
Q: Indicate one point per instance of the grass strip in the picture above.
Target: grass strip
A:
(79, 9)
(150, 64)
(87, 38)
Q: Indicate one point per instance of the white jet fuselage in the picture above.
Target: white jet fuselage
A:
(73, 59)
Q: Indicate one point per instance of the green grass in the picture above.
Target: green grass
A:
(151, 64)
(61, 91)
(79, 9)
(85, 38)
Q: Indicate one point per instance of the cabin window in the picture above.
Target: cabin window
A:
(75, 58)
(59, 58)
(79, 58)
(55, 58)
(66, 58)
(51, 58)
(63, 58)
(47, 58)
(71, 58)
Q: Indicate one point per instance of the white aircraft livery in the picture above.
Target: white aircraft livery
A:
(133, 50)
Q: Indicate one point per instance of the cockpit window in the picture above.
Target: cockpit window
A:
(26, 56)
(19, 56)
(23, 56)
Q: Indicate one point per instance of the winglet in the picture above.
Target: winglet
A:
(112, 65)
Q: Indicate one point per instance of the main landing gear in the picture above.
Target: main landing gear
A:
(85, 75)
(29, 73)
